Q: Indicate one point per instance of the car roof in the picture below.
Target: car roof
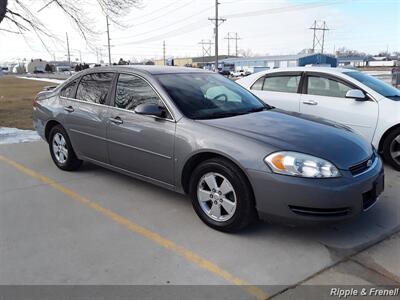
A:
(149, 69)
(330, 70)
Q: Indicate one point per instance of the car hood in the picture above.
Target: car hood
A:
(302, 133)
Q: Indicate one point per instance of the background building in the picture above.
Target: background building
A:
(254, 64)
(194, 62)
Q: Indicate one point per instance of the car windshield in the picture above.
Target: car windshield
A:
(377, 85)
(209, 96)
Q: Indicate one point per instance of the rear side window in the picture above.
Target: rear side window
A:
(94, 87)
(68, 90)
(285, 84)
(322, 86)
(132, 91)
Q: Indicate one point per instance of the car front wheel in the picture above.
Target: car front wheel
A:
(61, 150)
(222, 196)
(391, 149)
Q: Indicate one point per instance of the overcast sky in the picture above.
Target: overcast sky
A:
(264, 26)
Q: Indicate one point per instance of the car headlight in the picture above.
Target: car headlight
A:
(302, 165)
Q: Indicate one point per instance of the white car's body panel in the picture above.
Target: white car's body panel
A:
(372, 119)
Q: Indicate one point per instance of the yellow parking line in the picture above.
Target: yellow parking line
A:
(153, 236)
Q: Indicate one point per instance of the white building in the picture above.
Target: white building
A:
(36, 65)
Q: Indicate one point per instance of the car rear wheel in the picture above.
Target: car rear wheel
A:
(222, 196)
(391, 149)
(61, 150)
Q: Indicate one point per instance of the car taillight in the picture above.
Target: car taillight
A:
(35, 101)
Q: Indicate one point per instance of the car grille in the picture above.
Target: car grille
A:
(320, 212)
(363, 166)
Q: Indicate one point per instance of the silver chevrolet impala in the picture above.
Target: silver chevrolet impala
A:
(198, 133)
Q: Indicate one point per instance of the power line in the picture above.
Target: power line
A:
(282, 9)
(167, 12)
(217, 21)
(159, 9)
(169, 25)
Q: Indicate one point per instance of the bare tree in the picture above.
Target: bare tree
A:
(22, 19)
(3, 8)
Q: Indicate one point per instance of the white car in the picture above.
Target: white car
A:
(240, 73)
(367, 105)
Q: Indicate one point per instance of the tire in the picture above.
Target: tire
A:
(236, 208)
(65, 157)
(391, 146)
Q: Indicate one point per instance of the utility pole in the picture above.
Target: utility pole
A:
(216, 20)
(80, 55)
(108, 41)
(236, 43)
(164, 53)
(68, 53)
(319, 40)
(229, 38)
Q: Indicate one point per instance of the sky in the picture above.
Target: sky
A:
(265, 27)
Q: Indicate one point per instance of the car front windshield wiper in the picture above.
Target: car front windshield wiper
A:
(262, 108)
(218, 115)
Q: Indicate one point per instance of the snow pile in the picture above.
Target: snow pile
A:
(14, 135)
(58, 81)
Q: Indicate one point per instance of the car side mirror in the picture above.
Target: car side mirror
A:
(150, 109)
(356, 94)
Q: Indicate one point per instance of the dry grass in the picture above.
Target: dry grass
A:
(16, 96)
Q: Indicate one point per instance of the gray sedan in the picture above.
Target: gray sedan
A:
(198, 133)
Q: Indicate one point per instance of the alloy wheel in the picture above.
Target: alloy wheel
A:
(395, 149)
(216, 196)
(60, 148)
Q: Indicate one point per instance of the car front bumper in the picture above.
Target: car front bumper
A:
(297, 200)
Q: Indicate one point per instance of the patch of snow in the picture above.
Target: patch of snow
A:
(58, 81)
(14, 135)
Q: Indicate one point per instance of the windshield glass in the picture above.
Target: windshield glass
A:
(377, 85)
(207, 96)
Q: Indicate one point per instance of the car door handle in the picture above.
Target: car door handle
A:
(68, 108)
(116, 120)
(310, 102)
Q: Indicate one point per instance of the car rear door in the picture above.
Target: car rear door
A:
(140, 144)
(325, 96)
(281, 90)
(85, 115)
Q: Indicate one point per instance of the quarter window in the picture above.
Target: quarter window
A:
(285, 84)
(326, 87)
(95, 87)
(68, 90)
(258, 84)
(132, 91)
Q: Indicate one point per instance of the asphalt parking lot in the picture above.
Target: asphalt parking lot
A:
(95, 226)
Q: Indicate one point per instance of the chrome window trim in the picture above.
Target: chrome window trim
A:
(83, 101)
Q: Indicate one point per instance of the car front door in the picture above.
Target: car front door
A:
(279, 89)
(85, 115)
(140, 144)
(325, 96)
